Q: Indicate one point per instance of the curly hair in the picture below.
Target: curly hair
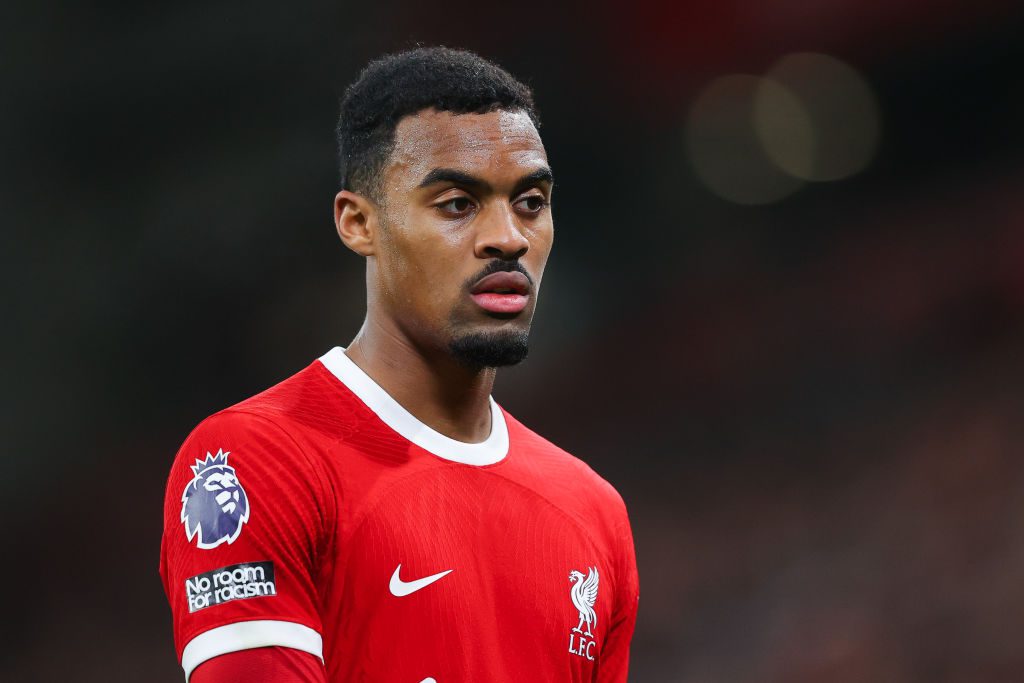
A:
(399, 85)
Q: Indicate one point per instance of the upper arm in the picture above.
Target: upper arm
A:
(245, 525)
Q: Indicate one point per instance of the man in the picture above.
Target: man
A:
(378, 517)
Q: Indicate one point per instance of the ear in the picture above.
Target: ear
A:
(356, 220)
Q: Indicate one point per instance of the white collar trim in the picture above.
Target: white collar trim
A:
(492, 450)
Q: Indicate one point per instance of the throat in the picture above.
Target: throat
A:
(445, 395)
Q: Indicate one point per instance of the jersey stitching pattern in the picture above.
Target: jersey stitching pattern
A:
(565, 513)
(376, 501)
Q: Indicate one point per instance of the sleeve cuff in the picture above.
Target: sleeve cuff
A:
(245, 635)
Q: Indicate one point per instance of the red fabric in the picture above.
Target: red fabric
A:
(261, 665)
(338, 500)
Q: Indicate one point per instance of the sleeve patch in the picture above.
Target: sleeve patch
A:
(214, 506)
(234, 582)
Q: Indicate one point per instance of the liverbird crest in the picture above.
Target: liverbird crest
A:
(584, 595)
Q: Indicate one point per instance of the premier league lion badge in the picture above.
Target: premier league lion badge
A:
(214, 505)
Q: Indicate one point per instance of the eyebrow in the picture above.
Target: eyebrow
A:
(541, 175)
(456, 177)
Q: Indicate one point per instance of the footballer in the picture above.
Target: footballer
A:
(377, 516)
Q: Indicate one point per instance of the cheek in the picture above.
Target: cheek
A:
(540, 248)
(423, 271)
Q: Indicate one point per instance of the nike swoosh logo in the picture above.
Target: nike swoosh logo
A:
(401, 588)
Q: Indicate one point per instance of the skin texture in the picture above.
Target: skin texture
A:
(424, 246)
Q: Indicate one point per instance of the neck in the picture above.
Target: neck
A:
(439, 391)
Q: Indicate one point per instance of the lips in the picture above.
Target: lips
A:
(502, 283)
(504, 292)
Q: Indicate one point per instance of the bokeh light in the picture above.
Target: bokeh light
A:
(756, 140)
(784, 128)
(725, 148)
(826, 126)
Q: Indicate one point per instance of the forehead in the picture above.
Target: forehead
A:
(489, 145)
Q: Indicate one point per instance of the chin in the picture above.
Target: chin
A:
(490, 349)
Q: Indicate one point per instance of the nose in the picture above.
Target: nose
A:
(500, 235)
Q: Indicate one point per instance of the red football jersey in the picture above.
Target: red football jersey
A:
(320, 515)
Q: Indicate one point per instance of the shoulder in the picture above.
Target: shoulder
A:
(296, 415)
(253, 449)
(568, 478)
(271, 436)
(312, 401)
(256, 457)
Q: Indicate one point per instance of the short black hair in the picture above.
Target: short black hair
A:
(398, 85)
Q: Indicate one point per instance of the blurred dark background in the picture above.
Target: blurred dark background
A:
(784, 313)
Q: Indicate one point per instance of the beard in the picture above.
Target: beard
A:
(479, 350)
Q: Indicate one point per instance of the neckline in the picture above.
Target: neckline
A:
(488, 452)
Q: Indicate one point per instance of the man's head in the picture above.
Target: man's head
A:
(446, 191)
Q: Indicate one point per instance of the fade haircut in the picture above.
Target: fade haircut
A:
(403, 84)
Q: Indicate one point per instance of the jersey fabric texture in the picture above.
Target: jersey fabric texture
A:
(320, 515)
(261, 665)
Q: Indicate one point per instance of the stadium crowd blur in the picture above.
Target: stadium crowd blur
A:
(784, 314)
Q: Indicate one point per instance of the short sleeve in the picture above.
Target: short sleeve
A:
(245, 520)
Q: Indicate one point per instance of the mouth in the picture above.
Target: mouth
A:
(504, 292)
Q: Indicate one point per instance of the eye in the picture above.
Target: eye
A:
(456, 206)
(533, 203)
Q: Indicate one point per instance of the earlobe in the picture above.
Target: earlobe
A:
(355, 219)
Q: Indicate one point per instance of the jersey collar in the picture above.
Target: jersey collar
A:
(487, 452)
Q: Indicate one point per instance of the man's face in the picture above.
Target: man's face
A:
(465, 233)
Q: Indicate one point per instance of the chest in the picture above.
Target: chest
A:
(466, 562)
